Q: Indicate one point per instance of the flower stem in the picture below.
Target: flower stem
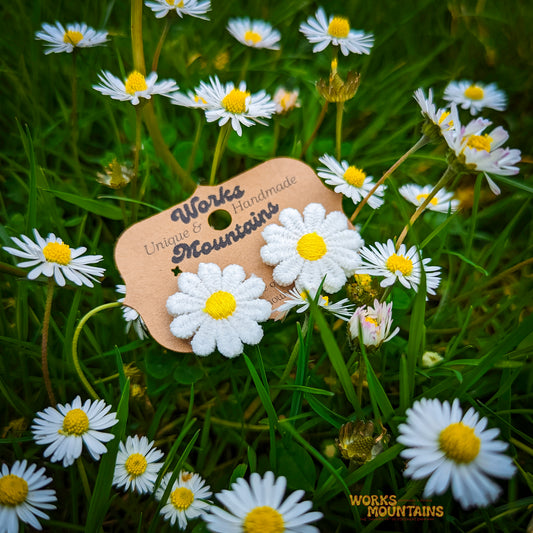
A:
(196, 142)
(44, 342)
(223, 136)
(245, 64)
(84, 479)
(338, 129)
(157, 52)
(77, 332)
(319, 121)
(421, 142)
(74, 131)
(136, 156)
(361, 378)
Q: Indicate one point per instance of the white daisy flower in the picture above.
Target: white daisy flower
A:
(375, 324)
(305, 249)
(300, 300)
(482, 152)
(254, 33)
(136, 465)
(259, 506)
(285, 100)
(51, 257)
(475, 96)
(191, 100)
(131, 317)
(226, 102)
(135, 87)
(188, 498)
(58, 39)
(350, 181)
(336, 31)
(218, 309)
(68, 427)
(439, 117)
(454, 450)
(22, 496)
(193, 8)
(402, 265)
(442, 202)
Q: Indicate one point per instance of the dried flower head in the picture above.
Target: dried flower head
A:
(336, 89)
(357, 443)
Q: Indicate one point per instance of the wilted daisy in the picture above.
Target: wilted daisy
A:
(475, 96)
(58, 39)
(193, 8)
(188, 498)
(135, 87)
(22, 496)
(137, 465)
(374, 324)
(219, 309)
(254, 33)
(442, 202)
(285, 100)
(68, 427)
(438, 120)
(350, 181)
(51, 257)
(115, 175)
(306, 249)
(259, 506)
(482, 152)
(336, 31)
(300, 300)
(402, 265)
(225, 103)
(132, 317)
(454, 450)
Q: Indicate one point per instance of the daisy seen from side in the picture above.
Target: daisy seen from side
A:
(323, 31)
(192, 8)
(53, 258)
(254, 33)
(437, 119)
(475, 96)
(218, 309)
(22, 496)
(454, 450)
(188, 498)
(259, 505)
(350, 181)
(131, 317)
(285, 100)
(67, 428)
(373, 323)
(77, 35)
(310, 246)
(189, 99)
(442, 202)
(136, 465)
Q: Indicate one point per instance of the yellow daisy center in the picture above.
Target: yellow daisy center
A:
(459, 443)
(252, 36)
(479, 142)
(13, 490)
(76, 423)
(354, 176)
(135, 82)
(422, 196)
(235, 101)
(171, 3)
(56, 252)
(325, 301)
(220, 304)
(135, 465)
(264, 519)
(339, 27)
(443, 117)
(398, 262)
(72, 37)
(474, 92)
(311, 246)
(371, 320)
(182, 498)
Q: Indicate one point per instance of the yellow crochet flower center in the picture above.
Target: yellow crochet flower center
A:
(339, 27)
(252, 36)
(235, 101)
(474, 92)
(399, 262)
(135, 465)
(479, 142)
(311, 246)
(421, 197)
(459, 443)
(220, 304)
(72, 37)
(182, 498)
(56, 252)
(354, 176)
(13, 490)
(135, 82)
(264, 520)
(76, 423)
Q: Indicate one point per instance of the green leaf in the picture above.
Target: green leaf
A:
(159, 365)
(238, 471)
(93, 206)
(467, 261)
(324, 412)
(377, 392)
(187, 374)
(296, 465)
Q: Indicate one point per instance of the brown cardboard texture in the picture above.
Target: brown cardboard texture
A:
(148, 252)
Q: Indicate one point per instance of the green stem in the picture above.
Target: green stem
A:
(196, 142)
(245, 64)
(44, 342)
(74, 130)
(223, 136)
(338, 129)
(84, 479)
(136, 156)
(75, 338)
(361, 378)
(276, 135)
(319, 121)
(157, 53)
